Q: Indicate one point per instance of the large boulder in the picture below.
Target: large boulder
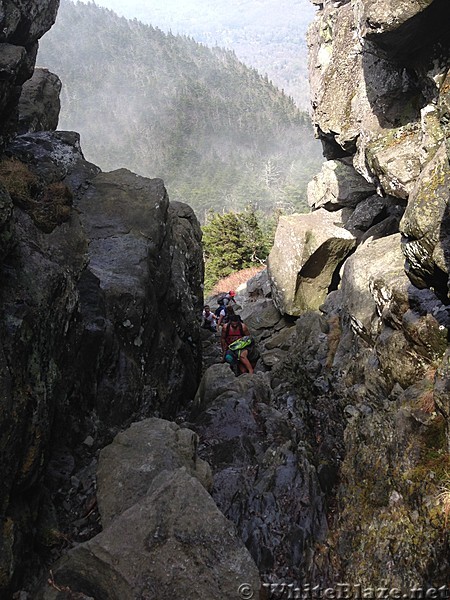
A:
(39, 104)
(307, 251)
(405, 326)
(338, 185)
(136, 456)
(173, 543)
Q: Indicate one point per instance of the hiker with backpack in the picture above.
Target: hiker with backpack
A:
(223, 301)
(238, 347)
(231, 332)
(242, 354)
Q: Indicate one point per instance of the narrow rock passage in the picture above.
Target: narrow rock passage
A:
(259, 433)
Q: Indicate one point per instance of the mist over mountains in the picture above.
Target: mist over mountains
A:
(218, 133)
(268, 35)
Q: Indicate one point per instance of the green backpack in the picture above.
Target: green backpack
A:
(233, 353)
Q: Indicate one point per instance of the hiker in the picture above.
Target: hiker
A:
(225, 316)
(228, 299)
(223, 301)
(231, 332)
(242, 354)
(208, 319)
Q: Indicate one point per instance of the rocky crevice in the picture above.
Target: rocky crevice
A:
(323, 466)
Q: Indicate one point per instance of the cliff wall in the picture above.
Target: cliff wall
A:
(94, 270)
(379, 74)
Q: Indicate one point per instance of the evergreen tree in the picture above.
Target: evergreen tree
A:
(232, 242)
(219, 134)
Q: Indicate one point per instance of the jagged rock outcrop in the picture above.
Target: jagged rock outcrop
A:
(306, 253)
(254, 434)
(91, 335)
(22, 24)
(342, 432)
(338, 185)
(379, 84)
(378, 345)
(39, 103)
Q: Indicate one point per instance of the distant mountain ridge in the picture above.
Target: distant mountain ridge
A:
(269, 35)
(218, 133)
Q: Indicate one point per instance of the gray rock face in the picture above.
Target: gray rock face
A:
(112, 346)
(338, 185)
(174, 543)
(426, 222)
(306, 253)
(39, 103)
(21, 25)
(256, 440)
(381, 304)
(380, 98)
(136, 456)
(163, 535)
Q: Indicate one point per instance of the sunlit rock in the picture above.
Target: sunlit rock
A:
(338, 185)
(306, 254)
(426, 224)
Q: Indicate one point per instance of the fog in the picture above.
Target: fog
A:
(269, 35)
(219, 134)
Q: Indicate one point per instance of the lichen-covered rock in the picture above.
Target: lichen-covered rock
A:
(39, 104)
(395, 158)
(353, 87)
(390, 475)
(441, 392)
(338, 185)
(375, 290)
(426, 223)
(306, 253)
(173, 543)
(136, 456)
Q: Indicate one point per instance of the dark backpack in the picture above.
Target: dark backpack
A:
(218, 310)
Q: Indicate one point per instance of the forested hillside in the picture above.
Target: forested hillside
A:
(219, 135)
(269, 35)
